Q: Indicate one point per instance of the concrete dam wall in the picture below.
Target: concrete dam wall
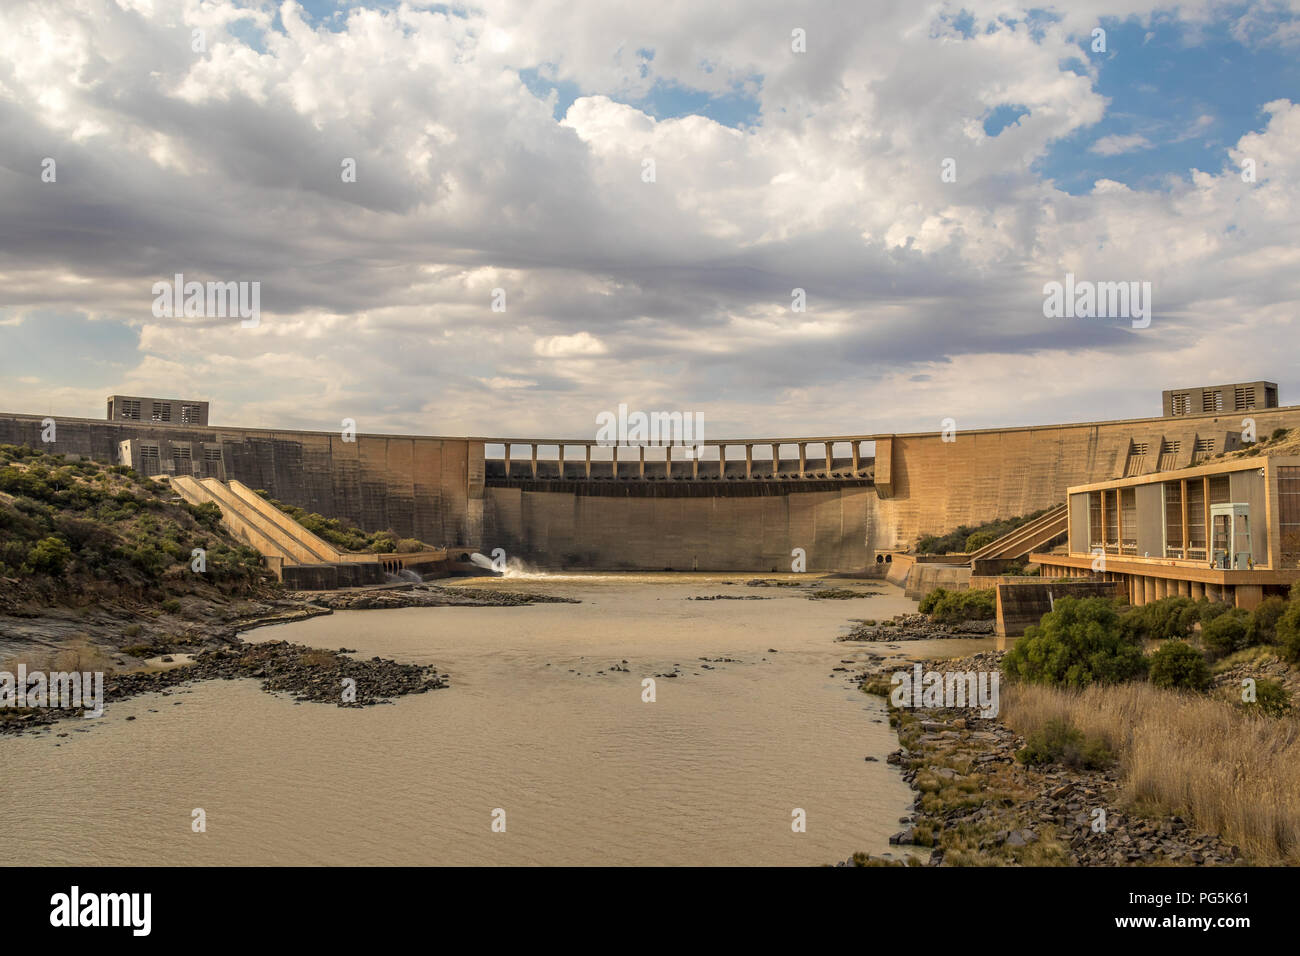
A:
(745, 514)
(723, 531)
(929, 486)
(425, 488)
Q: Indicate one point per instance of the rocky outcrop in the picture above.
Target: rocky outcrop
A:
(304, 673)
(914, 627)
(427, 595)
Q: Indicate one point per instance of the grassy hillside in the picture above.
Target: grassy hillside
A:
(73, 530)
(967, 538)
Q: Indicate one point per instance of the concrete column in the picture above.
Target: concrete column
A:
(1185, 588)
(507, 460)
(1148, 590)
(668, 461)
(803, 457)
(749, 461)
(613, 459)
(722, 461)
(1248, 596)
(856, 451)
(534, 448)
(588, 447)
(776, 460)
(561, 461)
(830, 459)
(695, 461)
(641, 471)
(1197, 590)
(1162, 589)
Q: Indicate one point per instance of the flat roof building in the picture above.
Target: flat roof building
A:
(157, 411)
(1237, 397)
(1229, 531)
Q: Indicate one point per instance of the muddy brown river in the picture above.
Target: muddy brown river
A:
(536, 724)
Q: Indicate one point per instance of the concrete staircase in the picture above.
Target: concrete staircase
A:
(1030, 537)
(259, 534)
(296, 556)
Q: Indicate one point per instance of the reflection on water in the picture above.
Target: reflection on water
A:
(536, 722)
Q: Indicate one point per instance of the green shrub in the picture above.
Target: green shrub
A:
(1059, 742)
(207, 514)
(1179, 665)
(1288, 630)
(1229, 631)
(1209, 610)
(953, 607)
(928, 602)
(1168, 618)
(978, 540)
(1264, 620)
(1079, 642)
(49, 556)
(171, 606)
(1271, 699)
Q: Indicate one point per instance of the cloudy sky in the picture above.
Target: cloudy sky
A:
(507, 145)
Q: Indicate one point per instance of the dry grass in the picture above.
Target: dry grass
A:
(1233, 773)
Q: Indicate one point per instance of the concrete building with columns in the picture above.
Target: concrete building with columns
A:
(1225, 530)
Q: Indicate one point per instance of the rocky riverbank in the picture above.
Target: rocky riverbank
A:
(117, 640)
(304, 673)
(977, 804)
(914, 627)
(425, 595)
(130, 631)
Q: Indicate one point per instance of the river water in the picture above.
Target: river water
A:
(585, 771)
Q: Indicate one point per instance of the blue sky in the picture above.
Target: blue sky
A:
(1188, 89)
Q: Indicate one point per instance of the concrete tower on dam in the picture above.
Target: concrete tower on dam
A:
(732, 505)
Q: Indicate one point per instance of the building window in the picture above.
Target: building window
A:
(1129, 526)
(1244, 397)
(1203, 448)
(162, 411)
(1288, 508)
(1094, 520)
(131, 410)
(1196, 520)
(1112, 520)
(190, 414)
(1173, 519)
(1169, 454)
(1182, 403)
(1212, 400)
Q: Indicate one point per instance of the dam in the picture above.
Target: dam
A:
(741, 504)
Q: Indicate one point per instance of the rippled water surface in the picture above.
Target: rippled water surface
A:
(586, 772)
